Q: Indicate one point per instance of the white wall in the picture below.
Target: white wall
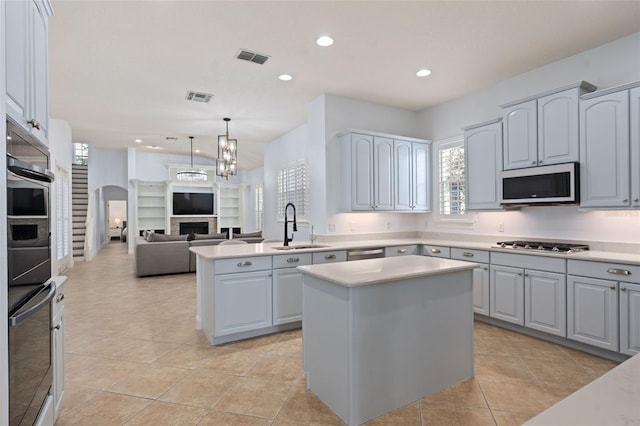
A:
(60, 137)
(605, 66)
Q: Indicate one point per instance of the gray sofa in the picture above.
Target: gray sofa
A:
(159, 254)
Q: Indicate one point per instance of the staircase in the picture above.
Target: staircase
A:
(79, 202)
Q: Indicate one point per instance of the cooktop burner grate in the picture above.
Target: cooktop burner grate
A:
(544, 246)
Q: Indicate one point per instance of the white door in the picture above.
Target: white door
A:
(592, 311)
(558, 128)
(629, 318)
(420, 172)
(545, 305)
(481, 290)
(287, 296)
(507, 294)
(520, 136)
(361, 172)
(403, 175)
(634, 106)
(383, 173)
(604, 151)
(243, 302)
(483, 163)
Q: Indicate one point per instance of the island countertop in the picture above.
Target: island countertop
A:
(382, 270)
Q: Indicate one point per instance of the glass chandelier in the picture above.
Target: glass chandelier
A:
(227, 154)
(191, 175)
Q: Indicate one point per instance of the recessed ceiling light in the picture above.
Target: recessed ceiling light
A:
(423, 72)
(324, 41)
(8, 137)
(285, 77)
(197, 151)
(138, 140)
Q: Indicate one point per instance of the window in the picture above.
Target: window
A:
(80, 153)
(63, 219)
(293, 187)
(451, 179)
(259, 207)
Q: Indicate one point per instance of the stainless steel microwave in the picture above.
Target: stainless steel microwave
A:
(555, 184)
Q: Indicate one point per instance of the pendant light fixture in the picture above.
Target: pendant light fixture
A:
(191, 175)
(226, 163)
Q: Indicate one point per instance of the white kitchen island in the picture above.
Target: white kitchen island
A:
(381, 333)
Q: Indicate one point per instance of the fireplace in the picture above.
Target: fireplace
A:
(194, 227)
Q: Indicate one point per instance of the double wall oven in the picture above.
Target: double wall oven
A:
(30, 288)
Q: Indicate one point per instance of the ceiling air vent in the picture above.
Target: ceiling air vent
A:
(198, 97)
(256, 58)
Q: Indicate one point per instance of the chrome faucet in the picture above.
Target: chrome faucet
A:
(286, 223)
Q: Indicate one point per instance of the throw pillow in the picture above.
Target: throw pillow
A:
(222, 235)
(154, 238)
(248, 235)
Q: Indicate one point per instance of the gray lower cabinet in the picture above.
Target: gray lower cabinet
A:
(507, 294)
(481, 290)
(629, 318)
(287, 287)
(400, 250)
(245, 302)
(545, 302)
(592, 311)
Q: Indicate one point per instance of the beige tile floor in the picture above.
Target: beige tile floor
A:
(133, 357)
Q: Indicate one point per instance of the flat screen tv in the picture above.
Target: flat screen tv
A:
(26, 202)
(192, 203)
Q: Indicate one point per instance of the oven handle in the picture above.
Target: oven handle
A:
(29, 171)
(17, 319)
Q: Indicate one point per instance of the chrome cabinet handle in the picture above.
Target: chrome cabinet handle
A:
(467, 254)
(613, 287)
(60, 298)
(526, 275)
(293, 260)
(624, 200)
(623, 289)
(330, 256)
(534, 162)
(635, 200)
(435, 251)
(57, 327)
(34, 123)
(245, 263)
(402, 250)
(519, 274)
(618, 271)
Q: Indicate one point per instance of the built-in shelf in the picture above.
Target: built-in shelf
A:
(230, 208)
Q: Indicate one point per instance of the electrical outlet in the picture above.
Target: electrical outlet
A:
(332, 227)
(352, 226)
(388, 225)
(501, 227)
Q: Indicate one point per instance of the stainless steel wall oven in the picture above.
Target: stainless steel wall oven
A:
(30, 288)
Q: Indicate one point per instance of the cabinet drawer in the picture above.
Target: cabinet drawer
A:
(400, 250)
(241, 264)
(540, 263)
(481, 256)
(291, 260)
(437, 251)
(329, 257)
(605, 270)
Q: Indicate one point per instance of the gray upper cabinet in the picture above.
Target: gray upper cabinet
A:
(634, 108)
(483, 163)
(371, 172)
(382, 173)
(412, 165)
(604, 150)
(543, 129)
(520, 136)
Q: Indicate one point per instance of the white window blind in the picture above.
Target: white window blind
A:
(293, 187)
(259, 202)
(63, 217)
(451, 179)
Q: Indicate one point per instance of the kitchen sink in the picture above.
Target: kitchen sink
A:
(306, 246)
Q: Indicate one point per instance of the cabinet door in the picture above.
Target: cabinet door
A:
(420, 172)
(558, 128)
(242, 302)
(404, 175)
(17, 54)
(604, 151)
(507, 294)
(483, 163)
(629, 318)
(545, 302)
(383, 173)
(39, 110)
(634, 105)
(520, 136)
(58, 360)
(481, 290)
(287, 296)
(592, 311)
(361, 172)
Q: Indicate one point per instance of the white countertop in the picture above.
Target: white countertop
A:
(386, 269)
(612, 399)
(266, 249)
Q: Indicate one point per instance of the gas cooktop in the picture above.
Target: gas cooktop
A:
(553, 247)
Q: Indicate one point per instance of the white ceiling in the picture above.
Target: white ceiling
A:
(119, 70)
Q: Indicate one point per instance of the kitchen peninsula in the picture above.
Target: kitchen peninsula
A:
(381, 333)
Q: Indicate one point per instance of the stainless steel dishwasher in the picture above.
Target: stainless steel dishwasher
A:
(366, 253)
